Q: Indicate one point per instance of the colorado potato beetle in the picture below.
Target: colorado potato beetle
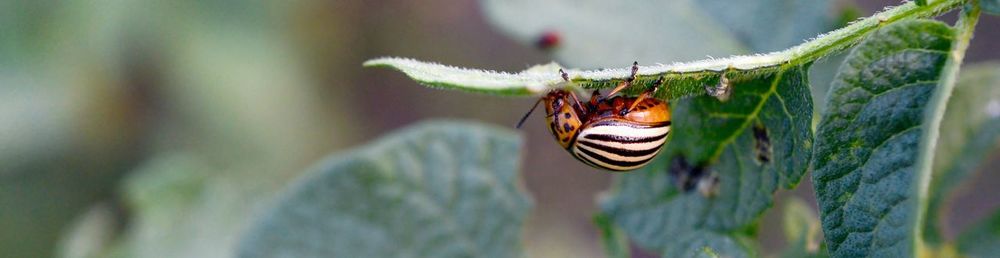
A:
(617, 133)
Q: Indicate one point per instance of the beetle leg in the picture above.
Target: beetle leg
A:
(596, 98)
(627, 82)
(577, 105)
(647, 94)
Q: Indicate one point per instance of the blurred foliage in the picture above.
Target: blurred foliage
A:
(969, 133)
(766, 127)
(612, 238)
(96, 88)
(982, 239)
(648, 31)
(157, 128)
(991, 6)
(438, 189)
(802, 230)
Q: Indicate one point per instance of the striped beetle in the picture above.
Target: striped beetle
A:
(617, 133)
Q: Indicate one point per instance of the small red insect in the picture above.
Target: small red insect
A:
(548, 40)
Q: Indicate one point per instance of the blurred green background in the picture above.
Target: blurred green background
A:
(151, 128)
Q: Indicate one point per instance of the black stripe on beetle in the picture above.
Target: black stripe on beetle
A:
(622, 138)
(619, 132)
(625, 164)
(619, 151)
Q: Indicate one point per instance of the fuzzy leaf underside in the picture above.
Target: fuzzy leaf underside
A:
(756, 141)
(867, 143)
(440, 189)
(680, 80)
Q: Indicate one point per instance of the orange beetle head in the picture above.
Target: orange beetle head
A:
(562, 116)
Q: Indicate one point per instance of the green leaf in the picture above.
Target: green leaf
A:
(449, 77)
(682, 30)
(969, 132)
(680, 80)
(439, 189)
(982, 239)
(708, 245)
(756, 141)
(765, 126)
(867, 143)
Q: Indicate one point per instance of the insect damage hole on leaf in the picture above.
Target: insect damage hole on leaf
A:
(762, 144)
(693, 177)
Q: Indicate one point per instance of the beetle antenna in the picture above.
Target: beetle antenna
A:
(519, 123)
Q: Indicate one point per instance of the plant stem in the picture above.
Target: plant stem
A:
(809, 51)
(848, 36)
(685, 79)
(935, 113)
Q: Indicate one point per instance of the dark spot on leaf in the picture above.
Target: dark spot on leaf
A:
(567, 127)
(566, 115)
(686, 176)
(762, 144)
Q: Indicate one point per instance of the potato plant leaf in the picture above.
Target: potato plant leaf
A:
(439, 189)
(970, 131)
(756, 141)
(869, 139)
(681, 80)
(707, 244)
